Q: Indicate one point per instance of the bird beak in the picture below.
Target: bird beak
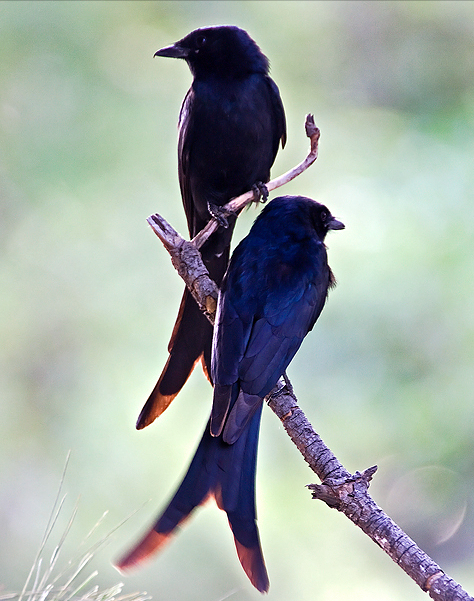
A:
(334, 224)
(173, 51)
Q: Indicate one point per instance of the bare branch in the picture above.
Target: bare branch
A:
(339, 488)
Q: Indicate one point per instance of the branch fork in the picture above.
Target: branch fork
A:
(339, 492)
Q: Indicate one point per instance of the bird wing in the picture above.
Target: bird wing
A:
(253, 345)
(279, 114)
(274, 340)
(233, 326)
(185, 142)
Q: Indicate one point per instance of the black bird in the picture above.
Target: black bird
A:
(230, 125)
(271, 296)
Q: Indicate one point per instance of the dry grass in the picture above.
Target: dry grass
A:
(47, 582)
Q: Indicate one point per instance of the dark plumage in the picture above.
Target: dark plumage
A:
(271, 296)
(230, 126)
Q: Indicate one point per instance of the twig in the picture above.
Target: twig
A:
(339, 489)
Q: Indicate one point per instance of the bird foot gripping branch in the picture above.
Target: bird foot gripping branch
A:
(220, 214)
(260, 193)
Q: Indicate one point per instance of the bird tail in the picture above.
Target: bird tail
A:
(190, 341)
(227, 473)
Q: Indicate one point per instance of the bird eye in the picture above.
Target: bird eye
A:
(201, 41)
(324, 215)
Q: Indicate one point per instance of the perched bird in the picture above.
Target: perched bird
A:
(271, 296)
(230, 126)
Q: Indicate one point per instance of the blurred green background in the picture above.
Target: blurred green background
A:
(88, 295)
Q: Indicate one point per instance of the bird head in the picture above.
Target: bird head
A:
(323, 221)
(223, 51)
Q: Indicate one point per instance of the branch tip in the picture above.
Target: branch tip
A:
(310, 127)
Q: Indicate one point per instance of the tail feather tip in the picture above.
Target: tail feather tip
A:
(252, 561)
(142, 552)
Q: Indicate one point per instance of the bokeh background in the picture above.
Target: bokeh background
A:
(88, 295)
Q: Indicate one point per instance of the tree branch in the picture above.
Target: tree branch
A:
(339, 489)
(348, 494)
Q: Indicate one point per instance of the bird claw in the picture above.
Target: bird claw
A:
(260, 192)
(220, 214)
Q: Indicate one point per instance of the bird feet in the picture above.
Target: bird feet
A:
(220, 214)
(260, 192)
